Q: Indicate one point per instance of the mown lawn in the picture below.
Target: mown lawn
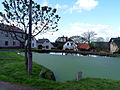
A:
(12, 69)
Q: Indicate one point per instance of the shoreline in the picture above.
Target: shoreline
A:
(79, 52)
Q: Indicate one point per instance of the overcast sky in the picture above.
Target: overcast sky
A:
(78, 16)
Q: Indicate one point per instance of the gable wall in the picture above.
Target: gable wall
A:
(113, 47)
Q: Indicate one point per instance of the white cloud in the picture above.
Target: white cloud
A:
(52, 36)
(84, 5)
(105, 31)
(45, 3)
(60, 6)
(101, 30)
(118, 28)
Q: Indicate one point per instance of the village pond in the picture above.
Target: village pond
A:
(65, 67)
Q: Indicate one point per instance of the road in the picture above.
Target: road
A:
(9, 86)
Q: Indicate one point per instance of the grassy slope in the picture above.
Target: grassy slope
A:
(12, 69)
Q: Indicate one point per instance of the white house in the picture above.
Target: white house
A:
(8, 35)
(70, 45)
(44, 44)
(34, 43)
(8, 38)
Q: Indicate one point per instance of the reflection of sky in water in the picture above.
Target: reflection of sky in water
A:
(72, 54)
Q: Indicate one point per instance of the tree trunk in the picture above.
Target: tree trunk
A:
(26, 57)
(29, 40)
(29, 61)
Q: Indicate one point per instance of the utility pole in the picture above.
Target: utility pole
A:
(29, 40)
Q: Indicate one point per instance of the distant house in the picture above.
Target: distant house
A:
(60, 41)
(83, 46)
(70, 45)
(114, 44)
(44, 44)
(34, 43)
(104, 46)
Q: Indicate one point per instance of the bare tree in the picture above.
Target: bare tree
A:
(100, 39)
(78, 39)
(17, 14)
(89, 36)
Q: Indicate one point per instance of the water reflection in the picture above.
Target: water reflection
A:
(71, 54)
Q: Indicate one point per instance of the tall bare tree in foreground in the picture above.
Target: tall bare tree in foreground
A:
(16, 13)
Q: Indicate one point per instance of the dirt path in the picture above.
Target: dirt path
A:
(9, 86)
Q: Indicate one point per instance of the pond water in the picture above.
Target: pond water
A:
(65, 67)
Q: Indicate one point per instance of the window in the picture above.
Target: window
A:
(71, 44)
(1, 32)
(68, 44)
(14, 43)
(6, 34)
(0, 41)
(22, 35)
(6, 43)
(33, 44)
(47, 47)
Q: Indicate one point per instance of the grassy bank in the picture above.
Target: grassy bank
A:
(12, 69)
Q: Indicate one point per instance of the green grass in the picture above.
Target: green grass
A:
(91, 84)
(12, 69)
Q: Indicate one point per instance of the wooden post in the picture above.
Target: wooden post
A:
(79, 76)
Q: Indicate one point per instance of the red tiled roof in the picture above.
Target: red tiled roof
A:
(83, 46)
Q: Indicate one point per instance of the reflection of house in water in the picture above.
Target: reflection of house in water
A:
(44, 44)
(114, 44)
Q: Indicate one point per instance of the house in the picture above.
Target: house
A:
(104, 46)
(44, 44)
(83, 46)
(8, 35)
(70, 45)
(7, 38)
(34, 43)
(60, 41)
(114, 44)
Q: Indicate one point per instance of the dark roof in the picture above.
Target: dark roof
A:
(42, 40)
(10, 28)
(62, 39)
(101, 45)
(54, 44)
(116, 40)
